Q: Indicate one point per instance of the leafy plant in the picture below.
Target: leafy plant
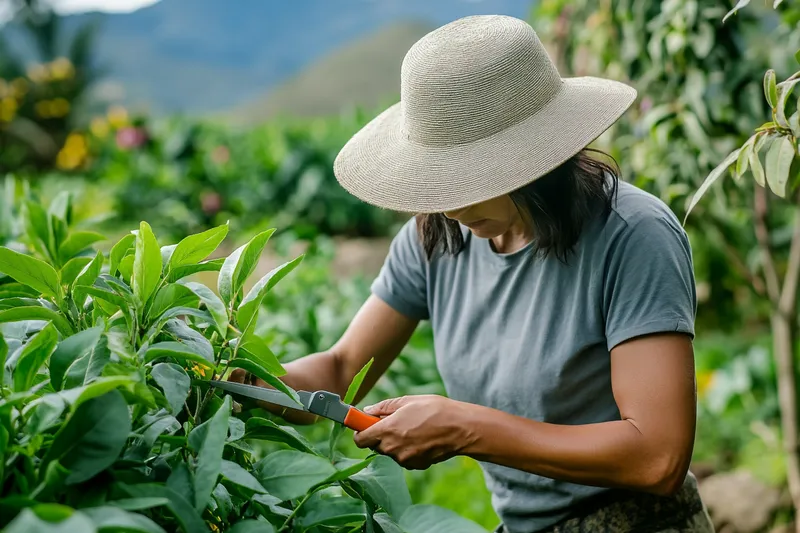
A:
(107, 422)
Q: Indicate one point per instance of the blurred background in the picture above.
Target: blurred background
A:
(190, 113)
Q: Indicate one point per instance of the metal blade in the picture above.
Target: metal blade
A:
(264, 394)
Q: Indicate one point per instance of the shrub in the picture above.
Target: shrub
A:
(107, 422)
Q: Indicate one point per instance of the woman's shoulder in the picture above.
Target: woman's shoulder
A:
(633, 205)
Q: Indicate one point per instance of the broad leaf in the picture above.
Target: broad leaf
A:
(214, 265)
(711, 179)
(110, 518)
(72, 268)
(138, 504)
(424, 518)
(252, 526)
(33, 356)
(248, 309)
(126, 268)
(385, 483)
(175, 350)
(146, 265)
(214, 305)
(755, 164)
(349, 398)
(223, 499)
(192, 338)
(119, 251)
(778, 162)
(262, 373)
(209, 458)
(190, 520)
(252, 347)
(181, 481)
(770, 88)
(106, 296)
(27, 521)
(386, 523)
(289, 474)
(197, 247)
(332, 511)
(169, 296)
(36, 227)
(353, 467)
(92, 438)
(88, 366)
(79, 395)
(175, 383)
(87, 277)
(77, 242)
(69, 350)
(784, 90)
(46, 413)
(263, 429)
(18, 314)
(30, 271)
(241, 477)
(238, 266)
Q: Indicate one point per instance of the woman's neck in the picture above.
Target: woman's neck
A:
(517, 236)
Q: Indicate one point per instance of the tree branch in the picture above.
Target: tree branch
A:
(788, 299)
(762, 234)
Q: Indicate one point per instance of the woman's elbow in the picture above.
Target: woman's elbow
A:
(666, 473)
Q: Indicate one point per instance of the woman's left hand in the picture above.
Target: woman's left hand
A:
(418, 431)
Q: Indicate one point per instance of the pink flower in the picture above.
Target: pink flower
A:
(211, 203)
(220, 155)
(130, 138)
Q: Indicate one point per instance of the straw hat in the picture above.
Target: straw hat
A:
(483, 111)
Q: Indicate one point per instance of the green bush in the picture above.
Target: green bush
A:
(107, 422)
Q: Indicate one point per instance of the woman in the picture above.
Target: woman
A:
(562, 299)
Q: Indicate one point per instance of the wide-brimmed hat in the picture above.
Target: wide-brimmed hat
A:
(483, 111)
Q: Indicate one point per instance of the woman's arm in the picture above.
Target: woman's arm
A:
(648, 450)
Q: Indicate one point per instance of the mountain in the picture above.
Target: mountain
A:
(205, 56)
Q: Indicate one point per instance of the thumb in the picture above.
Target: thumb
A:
(386, 407)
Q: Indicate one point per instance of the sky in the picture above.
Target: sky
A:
(79, 6)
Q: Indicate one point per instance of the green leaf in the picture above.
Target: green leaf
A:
(175, 383)
(120, 250)
(92, 438)
(263, 429)
(69, 350)
(36, 227)
(110, 519)
(80, 395)
(332, 511)
(386, 523)
(385, 483)
(349, 398)
(289, 474)
(241, 477)
(176, 350)
(190, 520)
(197, 247)
(711, 179)
(741, 4)
(28, 522)
(181, 481)
(784, 91)
(33, 356)
(756, 168)
(770, 89)
(742, 161)
(31, 272)
(223, 499)
(72, 268)
(252, 526)
(86, 278)
(209, 458)
(797, 56)
(106, 296)
(248, 309)
(424, 518)
(252, 347)
(193, 339)
(239, 265)
(3, 357)
(88, 366)
(46, 412)
(214, 305)
(138, 504)
(169, 296)
(214, 265)
(77, 242)
(355, 466)
(146, 264)
(794, 124)
(778, 161)
(262, 373)
(18, 314)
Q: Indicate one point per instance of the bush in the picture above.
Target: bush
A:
(107, 422)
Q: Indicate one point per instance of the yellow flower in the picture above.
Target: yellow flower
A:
(74, 152)
(99, 127)
(62, 69)
(38, 73)
(704, 381)
(8, 109)
(213, 526)
(59, 107)
(199, 369)
(42, 109)
(117, 116)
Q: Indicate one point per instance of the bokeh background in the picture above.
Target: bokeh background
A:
(191, 113)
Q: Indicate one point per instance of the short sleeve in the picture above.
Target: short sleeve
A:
(649, 285)
(403, 279)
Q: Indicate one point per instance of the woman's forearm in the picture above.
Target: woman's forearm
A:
(609, 454)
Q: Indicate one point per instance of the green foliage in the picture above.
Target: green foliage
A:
(109, 424)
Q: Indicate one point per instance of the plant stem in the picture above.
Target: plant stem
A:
(299, 505)
(762, 234)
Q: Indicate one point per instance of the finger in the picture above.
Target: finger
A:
(367, 439)
(386, 407)
(238, 376)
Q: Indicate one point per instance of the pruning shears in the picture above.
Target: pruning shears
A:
(322, 403)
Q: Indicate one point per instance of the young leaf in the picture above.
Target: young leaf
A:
(710, 179)
(193, 339)
(72, 268)
(248, 309)
(741, 4)
(31, 272)
(27, 521)
(175, 383)
(349, 397)
(105, 295)
(770, 88)
(262, 373)
(262, 429)
(289, 474)
(338, 511)
(176, 350)
(784, 90)
(146, 264)
(69, 350)
(33, 356)
(385, 483)
(252, 526)
(36, 227)
(79, 395)
(169, 296)
(108, 518)
(120, 250)
(778, 161)
(88, 366)
(239, 265)
(190, 520)
(86, 278)
(197, 247)
(92, 438)
(252, 347)
(213, 304)
(46, 413)
(77, 242)
(756, 168)
(16, 314)
(214, 265)
(241, 477)
(209, 458)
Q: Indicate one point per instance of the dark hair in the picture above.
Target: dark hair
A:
(557, 205)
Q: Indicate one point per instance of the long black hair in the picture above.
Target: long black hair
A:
(556, 206)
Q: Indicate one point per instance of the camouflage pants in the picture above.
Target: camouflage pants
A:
(683, 512)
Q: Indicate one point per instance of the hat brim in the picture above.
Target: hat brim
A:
(382, 167)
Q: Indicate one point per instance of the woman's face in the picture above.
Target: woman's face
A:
(488, 219)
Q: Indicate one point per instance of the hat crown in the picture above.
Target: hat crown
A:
(472, 78)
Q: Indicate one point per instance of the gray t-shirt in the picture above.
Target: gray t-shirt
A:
(532, 336)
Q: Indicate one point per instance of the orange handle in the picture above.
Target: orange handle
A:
(359, 420)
